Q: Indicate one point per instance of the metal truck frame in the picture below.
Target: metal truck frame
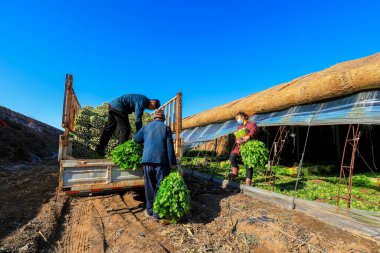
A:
(88, 176)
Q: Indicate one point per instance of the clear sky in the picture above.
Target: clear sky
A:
(212, 51)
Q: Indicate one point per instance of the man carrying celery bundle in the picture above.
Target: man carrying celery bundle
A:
(158, 156)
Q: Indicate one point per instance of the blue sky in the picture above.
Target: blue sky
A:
(212, 51)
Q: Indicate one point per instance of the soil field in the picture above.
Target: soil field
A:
(221, 220)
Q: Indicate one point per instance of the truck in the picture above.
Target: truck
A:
(88, 176)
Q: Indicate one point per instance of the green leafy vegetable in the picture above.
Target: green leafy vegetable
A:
(359, 180)
(254, 154)
(225, 164)
(127, 155)
(173, 198)
(319, 185)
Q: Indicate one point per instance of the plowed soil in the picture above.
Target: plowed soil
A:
(221, 220)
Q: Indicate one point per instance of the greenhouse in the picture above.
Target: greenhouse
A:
(322, 130)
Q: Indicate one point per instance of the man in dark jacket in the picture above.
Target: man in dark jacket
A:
(158, 156)
(118, 113)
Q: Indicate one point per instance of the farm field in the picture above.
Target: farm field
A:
(221, 220)
(317, 183)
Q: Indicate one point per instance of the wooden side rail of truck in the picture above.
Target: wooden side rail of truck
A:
(87, 176)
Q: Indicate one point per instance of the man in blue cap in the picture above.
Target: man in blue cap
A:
(158, 156)
(118, 113)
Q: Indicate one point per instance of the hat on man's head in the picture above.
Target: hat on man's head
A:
(159, 114)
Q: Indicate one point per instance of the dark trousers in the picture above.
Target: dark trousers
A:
(235, 161)
(153, 175)
(115, 119)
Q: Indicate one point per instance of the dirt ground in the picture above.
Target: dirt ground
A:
(28, 210)
(221, 220)
(24, 188)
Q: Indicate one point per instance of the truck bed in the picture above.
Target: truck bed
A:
(87, 176)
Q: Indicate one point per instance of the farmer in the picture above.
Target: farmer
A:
(235, 159)
(118, 113)
(158, 156)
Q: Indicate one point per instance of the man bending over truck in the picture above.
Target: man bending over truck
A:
(118, 113)
(158, 156)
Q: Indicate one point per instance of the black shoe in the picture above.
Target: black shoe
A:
(100, 150)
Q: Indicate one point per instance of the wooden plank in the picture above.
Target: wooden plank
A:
(129, 179)
(178, 125)
(86, 162)
(124, 184)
